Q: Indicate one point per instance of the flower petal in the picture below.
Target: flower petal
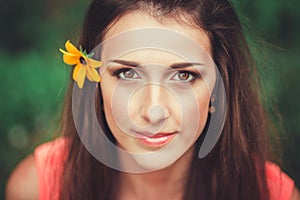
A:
(75, 71)
(71, 48)
(92, 74)
(94, 63)
(80, 76)
(71, 60)
(64, 52)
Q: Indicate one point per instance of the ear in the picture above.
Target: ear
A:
(217, 111)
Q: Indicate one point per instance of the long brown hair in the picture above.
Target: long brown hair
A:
(235, 168)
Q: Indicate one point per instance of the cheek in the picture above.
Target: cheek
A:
(107, 96)
(201, 111)
(203, 104)
(111, 120)
(194, 102)
(116, 102)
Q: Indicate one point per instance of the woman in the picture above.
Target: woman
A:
(158, 105)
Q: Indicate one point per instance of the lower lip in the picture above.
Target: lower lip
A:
(156, 141)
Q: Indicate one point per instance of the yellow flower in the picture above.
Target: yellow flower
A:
(84, 65)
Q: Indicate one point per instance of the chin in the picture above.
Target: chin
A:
(156, 160)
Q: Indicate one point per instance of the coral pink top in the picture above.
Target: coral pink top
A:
(49, 158)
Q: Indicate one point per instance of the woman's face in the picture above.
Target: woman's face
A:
(155, 101)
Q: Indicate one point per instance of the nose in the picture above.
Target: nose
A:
(154, 108)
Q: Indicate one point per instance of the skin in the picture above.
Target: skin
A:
(155, 98)
(23, 181)
(166, 183)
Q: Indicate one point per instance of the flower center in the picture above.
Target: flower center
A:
(82, 60)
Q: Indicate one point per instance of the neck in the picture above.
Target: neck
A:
(167, 183)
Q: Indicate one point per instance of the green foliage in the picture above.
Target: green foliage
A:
(34, 77)
(273, 30)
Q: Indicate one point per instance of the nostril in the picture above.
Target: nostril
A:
(157, 113)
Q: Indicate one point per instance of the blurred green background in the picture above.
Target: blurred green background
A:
(34, 77)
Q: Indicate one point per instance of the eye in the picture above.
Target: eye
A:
(126, 74)
(184, 76)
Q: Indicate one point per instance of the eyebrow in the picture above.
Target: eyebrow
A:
(174, 66)
(127, 63)
(184, 65)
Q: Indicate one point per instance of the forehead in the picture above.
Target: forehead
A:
(138, 20)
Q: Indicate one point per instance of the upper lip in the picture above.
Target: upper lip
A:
(151, 135)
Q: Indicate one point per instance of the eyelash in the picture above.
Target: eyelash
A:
(119, 74)
(193, 74)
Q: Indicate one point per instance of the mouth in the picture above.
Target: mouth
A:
(155, 140)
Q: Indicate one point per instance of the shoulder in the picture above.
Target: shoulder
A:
(23, 182)
(280, 185)
(295, 194)
(51, 153)
(38, 174)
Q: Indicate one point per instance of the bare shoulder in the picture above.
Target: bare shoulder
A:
(23, 181)
(295, 194)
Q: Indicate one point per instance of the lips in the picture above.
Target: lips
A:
(156, 140)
